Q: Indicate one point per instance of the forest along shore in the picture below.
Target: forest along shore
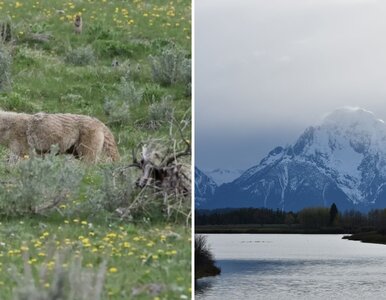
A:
(359, 226)
(365, 237)
(268, 229)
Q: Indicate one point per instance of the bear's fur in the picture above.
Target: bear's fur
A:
(83, 136)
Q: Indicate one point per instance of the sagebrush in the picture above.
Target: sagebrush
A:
(81, 56)
(37, 185)
(171, 66)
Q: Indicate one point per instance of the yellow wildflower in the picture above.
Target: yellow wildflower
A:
(24, 248)
(50, 265)
(32, 260)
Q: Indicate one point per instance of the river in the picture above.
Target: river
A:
(294, 266)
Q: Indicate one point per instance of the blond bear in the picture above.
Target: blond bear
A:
(82, 136)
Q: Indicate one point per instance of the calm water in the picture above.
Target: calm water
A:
(279, 266)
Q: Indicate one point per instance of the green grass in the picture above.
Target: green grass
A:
(129, 31)
(136, 256)
(151, 248)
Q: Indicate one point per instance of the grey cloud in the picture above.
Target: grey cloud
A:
(262, 66)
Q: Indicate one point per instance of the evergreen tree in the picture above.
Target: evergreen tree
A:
(333, 214)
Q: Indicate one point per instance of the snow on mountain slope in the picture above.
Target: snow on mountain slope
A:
(204, 187)
(221, 176)
(342, 159)
(339, 145)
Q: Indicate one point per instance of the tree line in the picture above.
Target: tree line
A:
(310, 217)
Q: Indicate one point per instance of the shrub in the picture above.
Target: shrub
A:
(171, 67)
(115, 190)
(159, 112)
(118, 112)
(117, 107)
(27, 57)
(128, 92)
(186, 71)
(203, 259)
(72, 282)
(6, 31)
(132, 72)
(117, 196)
(152, 91)
(16, 102)
(39, 185)
(5, 69)
(80, 56)
(188, 90)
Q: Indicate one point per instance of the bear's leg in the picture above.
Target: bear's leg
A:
(18, 150)
(90, 145)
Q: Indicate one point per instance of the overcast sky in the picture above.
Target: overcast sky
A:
(266, 70)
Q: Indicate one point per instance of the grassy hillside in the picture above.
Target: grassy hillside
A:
(103, 237)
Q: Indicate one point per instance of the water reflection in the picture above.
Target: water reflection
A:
(326, 268)
(202, 285)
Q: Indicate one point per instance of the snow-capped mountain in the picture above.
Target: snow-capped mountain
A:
(341, 160)
(204, 187)
(221, 176)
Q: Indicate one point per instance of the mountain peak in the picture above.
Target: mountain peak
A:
(341, 160)
(204, 187)
(221, 176)
(352, 116)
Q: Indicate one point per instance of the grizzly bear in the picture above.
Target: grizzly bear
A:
(82, 136)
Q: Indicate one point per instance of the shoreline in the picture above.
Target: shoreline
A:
(371, 237)
(261, 229)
